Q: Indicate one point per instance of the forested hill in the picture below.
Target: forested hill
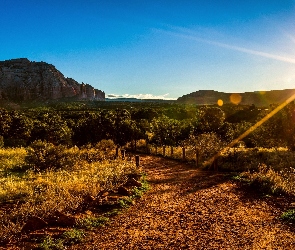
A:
(23, 80)
(258, 98)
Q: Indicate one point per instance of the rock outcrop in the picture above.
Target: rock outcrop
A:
(258, 98)
(23, 80)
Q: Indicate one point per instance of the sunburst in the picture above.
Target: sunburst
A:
(276, 57)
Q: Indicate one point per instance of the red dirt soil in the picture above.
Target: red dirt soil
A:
(187, 208)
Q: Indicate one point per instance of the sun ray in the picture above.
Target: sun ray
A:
(247, 51)
(233, 47)
(251, 129)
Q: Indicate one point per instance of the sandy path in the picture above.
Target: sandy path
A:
(186, 208)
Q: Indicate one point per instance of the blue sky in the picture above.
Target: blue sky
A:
(156, 48)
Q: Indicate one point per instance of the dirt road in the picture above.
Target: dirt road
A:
(187, 208)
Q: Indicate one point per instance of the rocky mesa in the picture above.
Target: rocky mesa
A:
(24, 80)
(258, 98)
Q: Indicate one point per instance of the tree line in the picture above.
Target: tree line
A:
(169, 125)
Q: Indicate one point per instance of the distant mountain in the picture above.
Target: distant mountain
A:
(23, 80)
(122, 99)
(258, 98)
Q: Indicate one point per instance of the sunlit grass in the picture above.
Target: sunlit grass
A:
(11, 158)
(244, 159)
(269, 181)
(43, 193)
(237, 159)
(24, 193)
(272, 169)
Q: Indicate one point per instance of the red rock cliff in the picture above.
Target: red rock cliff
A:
(23, 80)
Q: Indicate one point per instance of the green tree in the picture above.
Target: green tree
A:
(208, 119)
(5, 122)
(88, 129)
(184, 128)
(20, 129)
(144, 113)
(288, 124)
(271, 133)
(52, 128)
(205, 145)
(160, 130)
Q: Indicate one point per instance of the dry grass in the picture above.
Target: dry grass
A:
(244, 159)
(12, 158)
(237, 159)
(269, 168)
(24, 192)
(270, 181)
(28, 193)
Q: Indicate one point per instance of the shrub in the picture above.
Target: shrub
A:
(43, 156)
(103, 150)
(51, 244)
(15, 142)
(41, 193)
(243, 159)
(268, 181)
(69, 237)
(91, 221)
(105, 146)
(73, 236)
(289, 215)
(205, 146)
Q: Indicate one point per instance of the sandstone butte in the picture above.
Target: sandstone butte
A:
(24, 80)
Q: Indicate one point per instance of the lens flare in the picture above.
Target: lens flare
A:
(220, 103)
(251, 129)
(235, 98)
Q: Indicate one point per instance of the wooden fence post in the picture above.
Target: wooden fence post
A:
(183, 153)
(123, 153)
(117, 152)
(137, 160)
(215, 164)
(147, 148)
(197, 157)
(164, 149)
(129, 157)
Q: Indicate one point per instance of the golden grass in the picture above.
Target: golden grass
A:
(233, 159)
(271, 181)
(271, 167)
(11, 158)
(41, 194)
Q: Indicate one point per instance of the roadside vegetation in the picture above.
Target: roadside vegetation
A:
(32, 185)
(71, 158)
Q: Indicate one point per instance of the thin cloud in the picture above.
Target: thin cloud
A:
(112, 96)
(142, 96)
(255, 52)
(291, 37)
(233, 47)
